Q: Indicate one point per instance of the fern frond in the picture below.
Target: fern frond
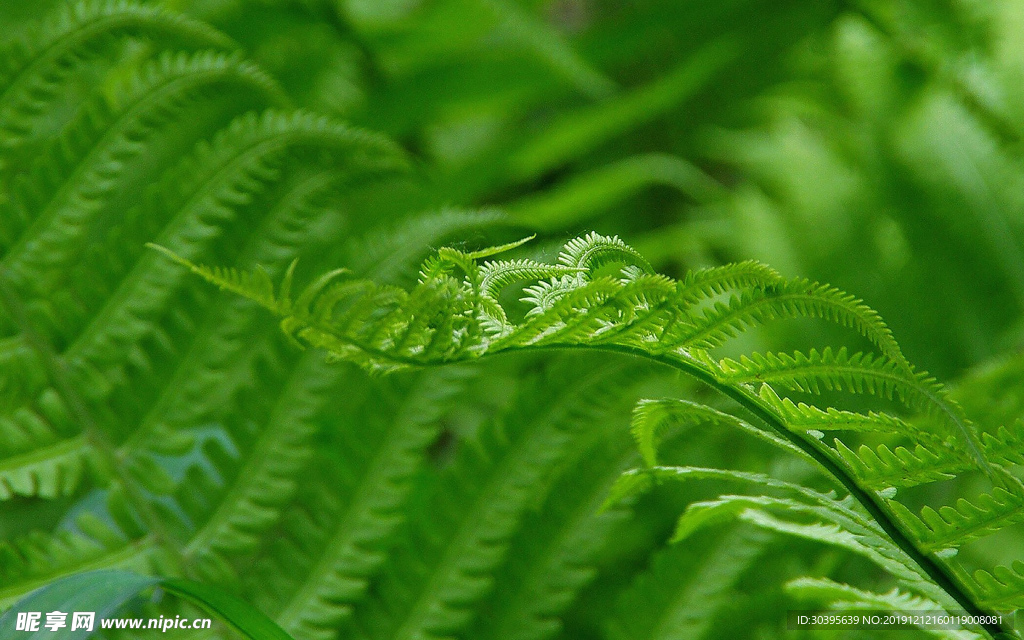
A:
(1006, 445)
(338, 532)
(573, 311)
(248, 472)
(553, 556)
(46, 470)
(638, 481)
(446, 318)
(263, 480)
(41, 454)
(58, 202)
(254, 285)
(639, 311)
(1001, 588)
(800, 512)
(57, 465)
(827, 521)
(191, 376)
(953, 525)
(201, 198)
(593, 251)
(446, 562)
(488, 252)
(497, 275)
(39, 558)
(843, 596)
(650, 417)
(685, 588)
(882, 467)
(314, 566)
(417, 507)
(790, 299)
(858, 373)
(824, 370)
(86, 167)
(714, 281)
(639, 298)
(575, 315)
(35, 69)
(804, 417)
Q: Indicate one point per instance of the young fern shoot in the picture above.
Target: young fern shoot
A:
(455, 313)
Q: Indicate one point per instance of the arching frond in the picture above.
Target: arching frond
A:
(55, 204)
(1000, 588)
(650, 417)
(683, 591)
(805, 417)
(593, 251)
(219, 445)
(790, 299)
(829, 370)
(35, 68)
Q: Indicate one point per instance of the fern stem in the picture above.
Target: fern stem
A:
(752, 403)
(878, 511)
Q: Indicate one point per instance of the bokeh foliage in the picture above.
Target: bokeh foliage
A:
(874, 145)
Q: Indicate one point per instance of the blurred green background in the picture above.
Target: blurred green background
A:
(875, 145)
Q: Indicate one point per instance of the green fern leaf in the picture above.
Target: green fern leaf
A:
(857, 373)
(36, 69)
(804, 417)
(1002, 588)
(966, 520)
(843, 596)
(58, 204)
(553, 556)
(650, 417)
(594, 251)
(901, 467)
(337, 532)
(445, 563)
(795, 298)
(386, 329)
(681, 593)
(39, 558)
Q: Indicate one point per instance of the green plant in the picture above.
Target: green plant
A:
(454, 315)
(153, 425)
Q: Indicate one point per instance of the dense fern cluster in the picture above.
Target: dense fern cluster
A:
(488, 486)
(454, 314)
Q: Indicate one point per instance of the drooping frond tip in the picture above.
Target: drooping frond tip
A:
(254, 285)
(457, 311)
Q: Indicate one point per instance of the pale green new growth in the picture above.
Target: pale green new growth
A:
(456, 313)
